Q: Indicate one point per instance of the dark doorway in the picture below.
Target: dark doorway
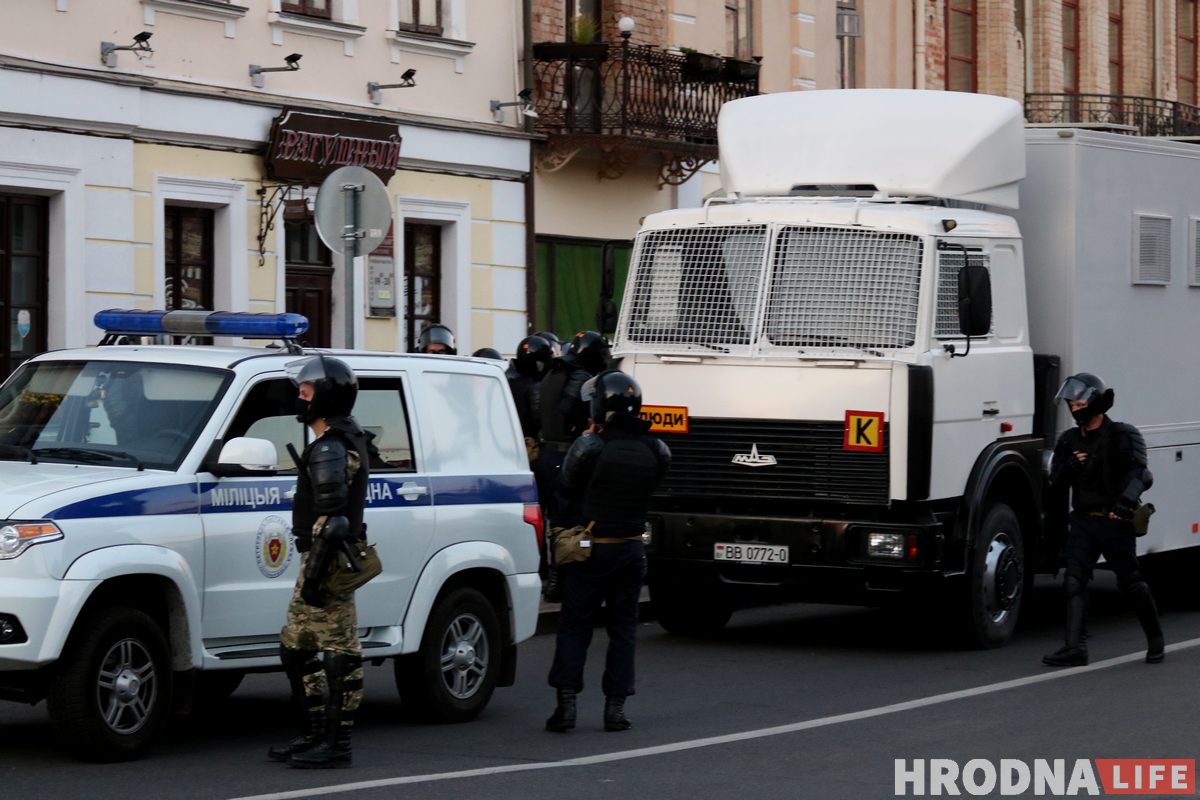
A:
(308, 279)
(23, 278)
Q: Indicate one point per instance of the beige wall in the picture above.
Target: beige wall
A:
(453, 82)
(575, 202)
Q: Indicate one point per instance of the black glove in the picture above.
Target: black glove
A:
(311, 594)
(552, 586)
(1123, 510)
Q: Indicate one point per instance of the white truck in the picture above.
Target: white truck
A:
(801, 345)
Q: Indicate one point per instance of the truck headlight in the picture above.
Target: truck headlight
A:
(893, 546)
(17, 537)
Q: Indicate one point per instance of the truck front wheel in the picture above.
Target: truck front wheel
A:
(996, 583)
(112, 687)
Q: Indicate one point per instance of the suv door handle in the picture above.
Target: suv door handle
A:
(991, 412)
(411, 491)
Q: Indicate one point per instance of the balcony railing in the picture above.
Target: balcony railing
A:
(1148, 116)
(622, 97)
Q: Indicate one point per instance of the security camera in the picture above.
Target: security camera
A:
(143, 37)
(529, 112)
(408, 74)
(293, 60)
(525, 94)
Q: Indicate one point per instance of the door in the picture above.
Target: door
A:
(308, 278)
(251, 562)
(309, 291)
(23, 281)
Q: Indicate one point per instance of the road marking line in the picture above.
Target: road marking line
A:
(729, 738)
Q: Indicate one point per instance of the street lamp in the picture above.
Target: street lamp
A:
(625, 25)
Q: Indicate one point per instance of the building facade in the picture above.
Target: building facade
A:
(145, 163)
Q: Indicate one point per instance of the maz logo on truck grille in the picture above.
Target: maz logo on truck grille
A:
(753, 459)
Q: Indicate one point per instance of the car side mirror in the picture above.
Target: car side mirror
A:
(246, 456)
(974, 300)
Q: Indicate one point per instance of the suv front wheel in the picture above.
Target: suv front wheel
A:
(453, 676)
(112, 686)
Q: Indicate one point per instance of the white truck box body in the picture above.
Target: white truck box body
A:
(1080, 207)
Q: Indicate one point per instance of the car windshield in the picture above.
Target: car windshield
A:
(106, 412)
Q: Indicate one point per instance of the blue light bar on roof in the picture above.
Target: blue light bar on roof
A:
(201, 323)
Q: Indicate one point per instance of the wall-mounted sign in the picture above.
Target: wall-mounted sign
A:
(305, 147)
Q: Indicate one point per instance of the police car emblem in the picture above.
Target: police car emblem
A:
(753, 459)
(273, 547)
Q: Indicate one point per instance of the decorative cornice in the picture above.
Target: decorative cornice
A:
(344, 32)
(213, 10)
(420, 44)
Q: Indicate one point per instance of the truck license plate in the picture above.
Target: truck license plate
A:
(751, 553)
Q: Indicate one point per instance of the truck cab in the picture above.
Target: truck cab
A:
(843, 348)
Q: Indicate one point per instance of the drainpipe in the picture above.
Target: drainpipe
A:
(919, 44)
(530, 229)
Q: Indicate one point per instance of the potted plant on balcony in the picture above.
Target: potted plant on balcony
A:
(582, 47)
(735, 69)
(699, 66)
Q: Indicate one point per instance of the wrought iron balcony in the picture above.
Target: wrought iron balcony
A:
(621, 101)
(1148, 116)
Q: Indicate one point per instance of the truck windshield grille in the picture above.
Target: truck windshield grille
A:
(780, 459)
(826, 290)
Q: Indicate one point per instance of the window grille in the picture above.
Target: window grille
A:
(1152, 257)
(945, 325)
(696, 288)
(837, 287)
(828, 289)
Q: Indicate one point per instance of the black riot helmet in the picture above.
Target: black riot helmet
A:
(488, 352)
(555, 342)
(437, 333)
(1085, 387)
(588, 350)
(335, 387)
(534, 354)
(612, 392)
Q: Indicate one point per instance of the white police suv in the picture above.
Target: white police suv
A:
(146, 556)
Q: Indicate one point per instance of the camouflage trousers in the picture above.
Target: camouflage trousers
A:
(332, 630)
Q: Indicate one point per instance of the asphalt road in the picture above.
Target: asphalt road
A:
(790, 702)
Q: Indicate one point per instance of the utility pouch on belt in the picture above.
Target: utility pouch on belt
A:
(346, 575)
(569, 545)
(1141, 518)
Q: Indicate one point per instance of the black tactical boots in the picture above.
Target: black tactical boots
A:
(563, 718)
(614, 714)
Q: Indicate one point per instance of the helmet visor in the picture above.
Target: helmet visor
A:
(305, 370)
(1074, 390)
(589, 389)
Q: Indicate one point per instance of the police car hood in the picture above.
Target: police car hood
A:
(31, 491)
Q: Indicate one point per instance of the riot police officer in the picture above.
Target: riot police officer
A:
(1103, 462)
(564, 412)
(319, 643)
(525, 374)
(555, 342)
(488, 352)
(607, 478)
(436, 338)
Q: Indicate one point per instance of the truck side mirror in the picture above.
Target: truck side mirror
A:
(974, 300)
